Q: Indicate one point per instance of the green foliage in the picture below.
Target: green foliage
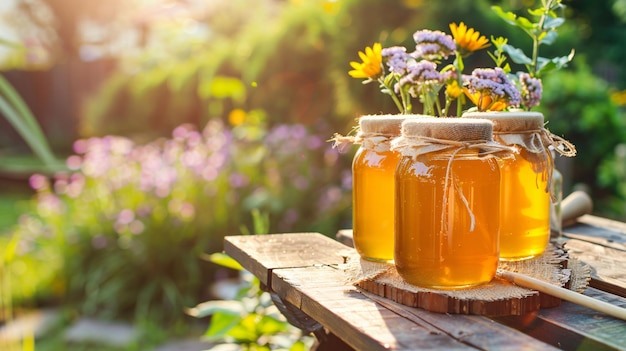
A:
(125, 232)
(612, 176)
(289, 60)
(577, 105)
(543, 31)
(250, 321)
(21, 118)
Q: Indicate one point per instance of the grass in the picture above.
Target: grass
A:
(12, 205)
(23, 165)
(14, 188)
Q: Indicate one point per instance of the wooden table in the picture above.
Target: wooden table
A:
(301, 271)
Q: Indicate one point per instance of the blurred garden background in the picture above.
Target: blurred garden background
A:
(179, 122)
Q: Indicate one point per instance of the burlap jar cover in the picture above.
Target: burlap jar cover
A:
(374, 132)
(526, 130)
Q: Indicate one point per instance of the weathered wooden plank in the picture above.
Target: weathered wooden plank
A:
(364, 325)
(259, 254)
(601, 231)
(311, 288)
(608, 265)
(477, 331)
(574, 327)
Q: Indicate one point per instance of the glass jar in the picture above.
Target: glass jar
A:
(447, 203)
(373, 169)
(556, 216)
(526, 179)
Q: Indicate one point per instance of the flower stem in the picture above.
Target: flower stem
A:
(438, 104)
(400, 105)
(459, 66)
(547, 6)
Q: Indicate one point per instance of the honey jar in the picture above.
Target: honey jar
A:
(525, 183)
(447, 202)
(373, 169)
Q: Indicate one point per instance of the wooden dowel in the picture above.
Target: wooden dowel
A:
(562, 293)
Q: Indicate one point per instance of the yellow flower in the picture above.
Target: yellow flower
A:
(468, 39)
(619, 98)
(453, 90)
(237, 117)
(484, 102)
(371, 65)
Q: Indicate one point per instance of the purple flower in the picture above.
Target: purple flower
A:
(396, 59)
(39, 182)
(494, 82)
(314, 142)
(433, 45)
(531, 90)
(99, 242)
(419, 74)
(238, 180)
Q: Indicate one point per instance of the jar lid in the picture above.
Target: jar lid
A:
(510, 121)
(449, 128)
(384, 124)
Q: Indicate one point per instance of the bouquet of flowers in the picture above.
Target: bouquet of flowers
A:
(434, 72)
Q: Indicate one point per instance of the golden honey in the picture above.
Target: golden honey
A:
(373, 210)
(525, 211)
(447, 223)
(373, 169)
(525, 189)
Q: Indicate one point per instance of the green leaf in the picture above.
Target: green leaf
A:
(298, 346)
(145, 298)
(507, 68)
(223, 260)
(260, 221)
(172, 293)
(551, 23)
(513, 19)
(508, 17)
(269, 326)
(246, 329)
(8, 252)
(214, 307)
(221, 325)
(21, 118)
(545, 65)
(458, 63)
(525, 23)
(548, 38)
(517, 55)
(536, 12)
(388, 79)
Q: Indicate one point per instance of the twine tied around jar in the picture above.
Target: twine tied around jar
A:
(374, 132)
(414, 146)
(560, 145)
(537, 141)
(379, 142)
